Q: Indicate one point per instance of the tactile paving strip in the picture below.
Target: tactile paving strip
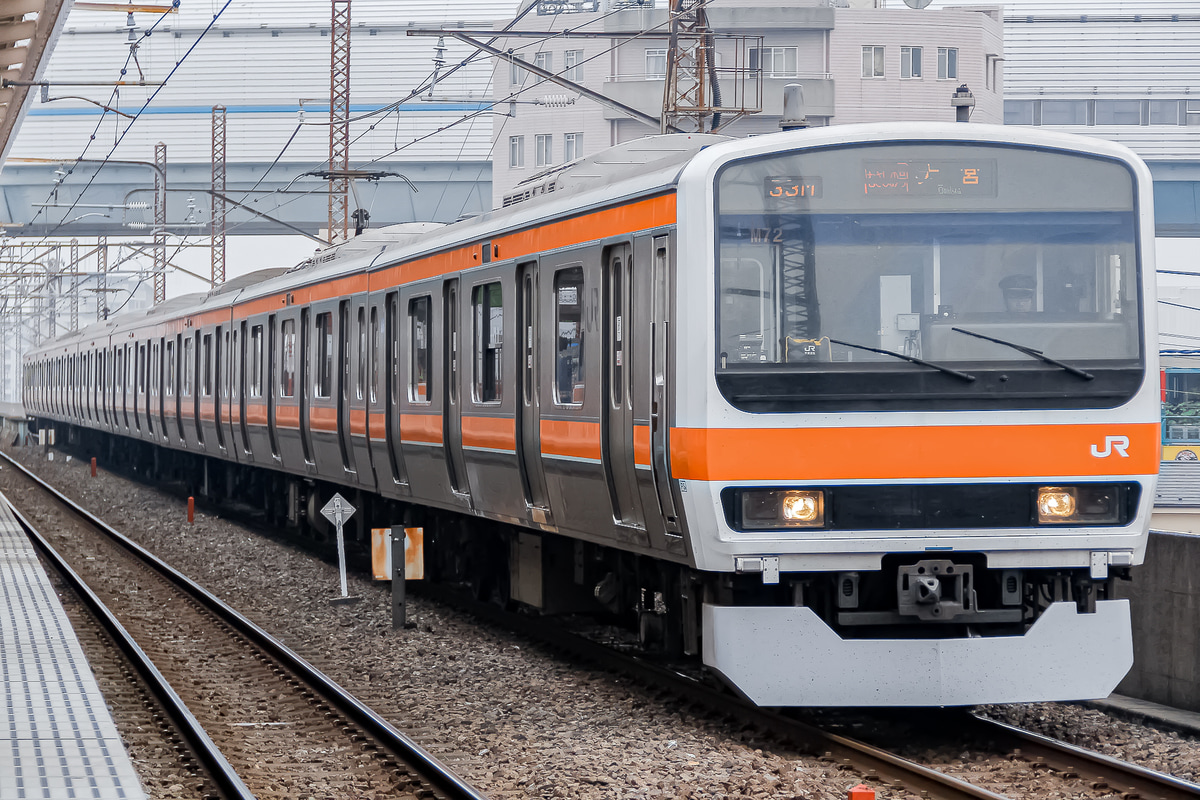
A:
(57, 738)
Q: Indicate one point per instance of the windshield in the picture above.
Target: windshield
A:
(861, 259)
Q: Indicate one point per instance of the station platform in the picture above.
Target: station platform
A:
(57, 737)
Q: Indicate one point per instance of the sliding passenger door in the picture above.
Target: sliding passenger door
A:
(617, 418)
(529, 439)
(306, 390)
(451, 400)
(357, 391)
(349, 423)
(660, 422)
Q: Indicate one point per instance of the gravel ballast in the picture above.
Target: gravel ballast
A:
(514, 720)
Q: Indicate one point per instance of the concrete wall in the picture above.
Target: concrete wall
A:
(1165, 599)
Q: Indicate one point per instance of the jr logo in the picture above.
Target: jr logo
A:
(1118, 443)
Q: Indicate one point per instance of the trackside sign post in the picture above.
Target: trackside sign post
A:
(337, 511)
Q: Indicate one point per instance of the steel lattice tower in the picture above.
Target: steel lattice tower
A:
(74, 283)
(339, 121)
(685, 93)
(160, 223)
(101, 278)
(218, 195)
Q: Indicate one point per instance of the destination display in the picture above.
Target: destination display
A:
(885, 178)
(924, 178)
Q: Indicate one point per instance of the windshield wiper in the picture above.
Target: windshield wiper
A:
(965, 376)
(1029, 351)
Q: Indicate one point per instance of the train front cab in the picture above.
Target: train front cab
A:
(918, 493)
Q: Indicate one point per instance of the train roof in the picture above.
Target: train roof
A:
(632, 168)
(636, 168)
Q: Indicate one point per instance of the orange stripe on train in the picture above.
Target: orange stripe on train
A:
(493, 433)
(421, 428)
(571, 438)
(910, 453)
(641, 445)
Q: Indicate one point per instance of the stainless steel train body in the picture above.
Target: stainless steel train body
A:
(770, 397)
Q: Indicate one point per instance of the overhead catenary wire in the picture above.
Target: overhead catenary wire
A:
(140, 111)
(477, 55)
(112, 101)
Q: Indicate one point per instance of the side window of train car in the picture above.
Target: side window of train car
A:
(206, 386)
(188, 367)
(487, 312)
(360, 378)
(170, 381)
(287, 371)
(375, 353)
(256, 361)
(325, 355)
(568, 326)
(421, 355)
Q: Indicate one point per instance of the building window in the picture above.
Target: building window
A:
(656, 62)
(543, 149)
(947, 63)
(544, 61)
(572, 61)
(487, 307)
(775, 62)
(516, 151)
(1118, 112)
(1064, 112)
(872, 61)
(910, 62)
(1192, 112)
(1164, 112)
(572, 146)
(516, 73)
(1018, 112)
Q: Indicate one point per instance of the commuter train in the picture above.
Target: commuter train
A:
(863, 415)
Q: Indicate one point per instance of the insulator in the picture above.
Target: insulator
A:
(138, 204)
(137, 226)
(556, 100)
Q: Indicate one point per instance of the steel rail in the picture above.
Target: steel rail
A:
(1098, 767)
(219, 769)
(423, 762)
(867, 759)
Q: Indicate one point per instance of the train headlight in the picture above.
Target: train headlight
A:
(1082, 505)
(802, 506)
(1055, 504)
(774, 509)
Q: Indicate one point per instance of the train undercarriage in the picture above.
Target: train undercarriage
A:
(659, 603)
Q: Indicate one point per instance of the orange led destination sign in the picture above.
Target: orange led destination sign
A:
(926, 178)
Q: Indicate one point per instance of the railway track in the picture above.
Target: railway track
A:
(1103, 775)
(260, 720)
(1101, 771)
(1087, 774)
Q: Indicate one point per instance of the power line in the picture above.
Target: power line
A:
(146, 104)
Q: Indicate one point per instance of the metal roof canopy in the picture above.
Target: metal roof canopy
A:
(28, 31)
